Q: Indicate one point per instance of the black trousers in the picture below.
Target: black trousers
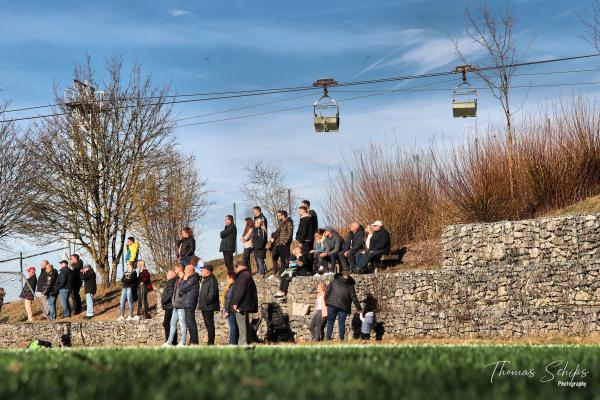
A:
(349, 263)
(228, 258)
(371, 256)
(280, 252)
(142, 302)
(167, 324)
(77, 299)
(306, 257)
(190, 322)
(246, 257)
(209, 323)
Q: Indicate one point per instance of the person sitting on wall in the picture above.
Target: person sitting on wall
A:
(354, 243)
(333, 247)
(379, 246)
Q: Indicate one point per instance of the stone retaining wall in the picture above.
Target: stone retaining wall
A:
(452, 302)
(536, 241)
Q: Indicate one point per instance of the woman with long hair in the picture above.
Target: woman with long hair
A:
(186, 246)
(247, 241)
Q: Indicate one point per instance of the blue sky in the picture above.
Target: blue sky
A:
(235, 45)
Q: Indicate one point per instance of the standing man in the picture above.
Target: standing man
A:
(208, 301)
(41, 286)
(76, 266)
(64, 287)
(257, 212)
(313, 216)
(166, 300)
(304, 236)
(133, 251)
(228, 237)
(50, 291)
(281, 241)
(355, 240)
(244, 300)
(188, 288)
(27, 294)
(88, 276)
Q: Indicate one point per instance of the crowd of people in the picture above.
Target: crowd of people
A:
(191, 287)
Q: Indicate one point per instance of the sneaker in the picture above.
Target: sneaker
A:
(166, 344)
(181, 345)
(136, 318)
(321, 270)
(129, 318)
(271, 277)
(121, 318)
(279, 294)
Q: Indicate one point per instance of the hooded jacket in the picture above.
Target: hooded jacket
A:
(341, 293)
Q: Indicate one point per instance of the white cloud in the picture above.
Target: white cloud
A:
(177, 12)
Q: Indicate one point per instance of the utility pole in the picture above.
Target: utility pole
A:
(21, 267)
(289, 202)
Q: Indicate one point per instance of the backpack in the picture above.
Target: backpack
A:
(278, 324)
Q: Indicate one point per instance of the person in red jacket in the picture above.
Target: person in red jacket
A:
(144, 286)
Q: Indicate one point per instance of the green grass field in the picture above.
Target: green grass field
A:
(300, 372)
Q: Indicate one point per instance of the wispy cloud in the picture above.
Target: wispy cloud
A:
(177, 12)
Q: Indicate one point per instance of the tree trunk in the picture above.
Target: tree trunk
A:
(509, 140)
(113, 274)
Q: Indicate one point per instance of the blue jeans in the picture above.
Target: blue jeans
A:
(64, 301)
(126, 295)
(178, 316)
(89, 303)
(51, 301)
(233, 329)
(260, 263)
(332, 313)
(185, 261)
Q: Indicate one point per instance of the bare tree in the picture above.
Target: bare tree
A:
(590, 19)
(16, 191)
(266, 186)
(92, 153)
(495, 36)
(172, 197)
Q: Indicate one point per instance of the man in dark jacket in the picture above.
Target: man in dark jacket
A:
(64, 287)
(339, 296)
(41, 286)
(228, 237)
(244, 301)
(314, 220)
(27, 294)
(355, 241)
(49, 289)
(208, 301)
(305, 235)
(333, 247)
(281, 241)
(88, 276)
(258, 214)
(189, 300)
(378, 246)
(76, 266)
(166, 299)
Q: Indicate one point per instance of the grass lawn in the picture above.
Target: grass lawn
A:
(303, 372)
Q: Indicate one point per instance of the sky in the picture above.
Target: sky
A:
(211, 46)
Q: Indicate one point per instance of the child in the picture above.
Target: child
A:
(319, 247)
(319, 317)
(289, 272)
(367, 316)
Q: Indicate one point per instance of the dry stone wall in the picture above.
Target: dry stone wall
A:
(536, 241)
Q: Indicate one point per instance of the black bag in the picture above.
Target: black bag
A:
(278, 324)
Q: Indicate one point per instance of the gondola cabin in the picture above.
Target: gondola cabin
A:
(326, 111)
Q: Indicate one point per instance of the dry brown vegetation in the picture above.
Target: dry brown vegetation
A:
(556, 163)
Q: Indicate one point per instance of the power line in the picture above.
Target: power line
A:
(261, 92)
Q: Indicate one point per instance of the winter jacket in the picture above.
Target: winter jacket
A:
(245, 296)
(177, 300)
(189, 291)
(369, 304)
(228, 296)
(333, 244)
(340, 293)
(208, 297)
(303, 234)
(26, 293)
(133, 252)
(166, 298)
(247, 239)
(259, 242)
(380, 241)
(285, 232)
(41, 282)
(314, 222)
(144, 279)
(129, 279)
(355, 240)
(64, 280)
(264, 219)
(89, 281)
(76, 268)
(228, 236)
(186, 247)
(50, 286)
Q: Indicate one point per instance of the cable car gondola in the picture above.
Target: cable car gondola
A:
(464, 96)
(326, 111)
